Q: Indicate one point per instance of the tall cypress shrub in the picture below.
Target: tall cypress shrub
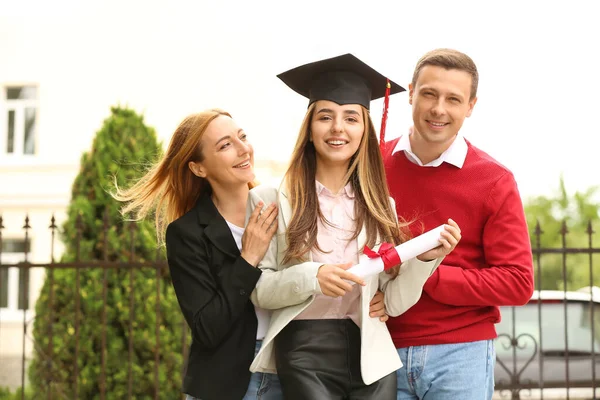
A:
(68, 330)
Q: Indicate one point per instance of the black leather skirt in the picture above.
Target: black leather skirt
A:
(320, 360)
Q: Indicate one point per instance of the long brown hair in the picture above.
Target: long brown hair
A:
(169, 188)
(366, 173)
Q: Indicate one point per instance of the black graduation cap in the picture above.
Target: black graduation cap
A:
(343, 79)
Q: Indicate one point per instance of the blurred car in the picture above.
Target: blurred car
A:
(533, 351)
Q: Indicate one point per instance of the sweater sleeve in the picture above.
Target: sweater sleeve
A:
(507, 276)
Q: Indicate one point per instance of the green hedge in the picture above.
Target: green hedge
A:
(122, 148)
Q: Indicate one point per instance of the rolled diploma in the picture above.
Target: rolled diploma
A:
(370, 266)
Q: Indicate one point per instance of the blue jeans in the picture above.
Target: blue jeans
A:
(461, 371)
(261, 386)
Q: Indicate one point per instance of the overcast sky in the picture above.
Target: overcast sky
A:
(538, 62)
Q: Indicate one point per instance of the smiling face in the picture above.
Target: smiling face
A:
(227, 156)
(440, 102)
(336, 132)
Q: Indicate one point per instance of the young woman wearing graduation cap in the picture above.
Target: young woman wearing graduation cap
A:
(332, 202)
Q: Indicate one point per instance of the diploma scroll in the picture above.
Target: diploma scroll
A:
(370, 266)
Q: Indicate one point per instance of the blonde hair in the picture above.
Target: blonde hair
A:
(169, 188)
(449, 59)
(366, 173)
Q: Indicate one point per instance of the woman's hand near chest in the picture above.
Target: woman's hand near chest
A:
(258, 233)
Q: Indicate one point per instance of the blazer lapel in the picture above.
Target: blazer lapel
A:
(216, 229)
(285, 208)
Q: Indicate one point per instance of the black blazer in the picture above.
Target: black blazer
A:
(213, 285)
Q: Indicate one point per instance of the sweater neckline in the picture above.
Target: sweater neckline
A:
(404, 159)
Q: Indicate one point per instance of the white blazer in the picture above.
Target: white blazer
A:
(288, 289)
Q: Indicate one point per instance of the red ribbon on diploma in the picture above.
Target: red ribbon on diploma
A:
(388, 254)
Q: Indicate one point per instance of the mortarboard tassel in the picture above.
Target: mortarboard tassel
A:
(386, 103)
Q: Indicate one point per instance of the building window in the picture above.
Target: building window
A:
(3, 288)
(21, 103)
(14, 282)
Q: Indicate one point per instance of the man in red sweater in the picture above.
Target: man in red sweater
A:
(445, 341)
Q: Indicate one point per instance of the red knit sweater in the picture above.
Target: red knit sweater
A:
(492, 264)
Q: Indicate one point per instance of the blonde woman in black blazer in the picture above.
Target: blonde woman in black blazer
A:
(199, 190)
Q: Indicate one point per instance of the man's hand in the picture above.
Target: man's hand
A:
(377, 307)
(449, 239)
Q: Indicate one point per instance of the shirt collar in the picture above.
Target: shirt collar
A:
(455, 154)
(347, 190)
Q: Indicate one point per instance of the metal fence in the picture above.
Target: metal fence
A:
(525, 368)
(46, 352)
(550, 347)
